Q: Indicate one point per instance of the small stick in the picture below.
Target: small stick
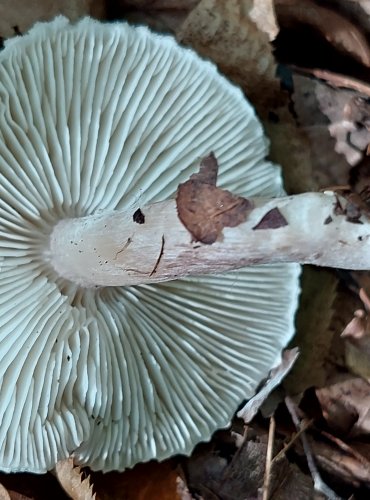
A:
(282, 452)
(318, 483)
(269, 453)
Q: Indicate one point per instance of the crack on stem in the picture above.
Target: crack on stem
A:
(159, 257)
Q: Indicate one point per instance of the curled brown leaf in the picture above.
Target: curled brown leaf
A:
(334, 27)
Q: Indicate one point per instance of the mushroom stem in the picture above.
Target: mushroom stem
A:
(112, 249)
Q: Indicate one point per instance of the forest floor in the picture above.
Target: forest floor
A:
(305, 66)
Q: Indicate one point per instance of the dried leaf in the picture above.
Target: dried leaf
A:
(359, 180)
(4, 495)
(205, 209)
(273, 219)
(263, 15)
(341, 33)
(357, 340)
(358, 11)
(345, 404)
(27, 12)
(225, 33)
(294, 484)
(150, 481)
(182, 490)
(160, 15)
(314, 335)
(249, 411)
(72, 480)
(341, 462)
(25, 486)
(338, 80)
(357, 327)
(328, 167)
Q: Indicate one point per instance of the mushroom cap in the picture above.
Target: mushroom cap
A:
(102, 117)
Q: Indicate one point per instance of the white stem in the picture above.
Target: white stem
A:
(112, 249)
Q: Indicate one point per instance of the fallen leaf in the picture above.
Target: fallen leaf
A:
(225, 33)
(72, 480)
(357, 327)
(160, 15)
(357, 340)
(339, 31)
(4, 495)
(205, 209)
(314, 333)
(149, 481)
(273, 219)
(341, 462)
(359, 179)
(182, 491)
(263, 15)
(328, 167)
(338, 80)
(345, 404)
(358, 11)
(26, 486)
(28, 12)
(249, 411)
(293, 484)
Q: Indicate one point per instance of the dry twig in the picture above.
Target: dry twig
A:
(269, 453)
(319, 484)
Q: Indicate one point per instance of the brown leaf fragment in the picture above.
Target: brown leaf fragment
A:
(293, 484)
(353, 213)
(353, 205)
(19, 16)
(205, 209)
(272, 220)
(27, 486)
(356, 328)
(208, 170)
(357, 340)
(341, 463)
(359, 180)
(139, 217)
(345, 405)
(341, 33)
(337, 80)
(338, 208)
(72, 480)
(328, 166)
(313, 330)
(4, 495)
(224, 32)
(263, 14)
(149, 481)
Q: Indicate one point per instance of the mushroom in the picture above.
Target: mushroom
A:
(100, 122)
